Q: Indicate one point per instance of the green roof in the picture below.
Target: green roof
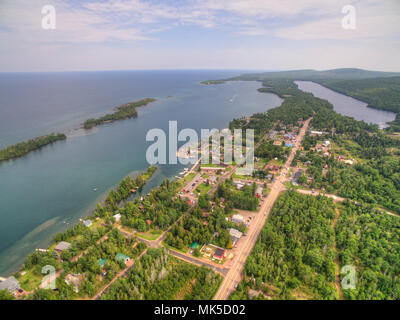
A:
(102, 262)
(194, 245)
(122, 257)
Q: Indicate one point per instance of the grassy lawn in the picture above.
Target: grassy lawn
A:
(30, 281)
(186, 179)
(203, 188)
(241, 177)
(152, 234)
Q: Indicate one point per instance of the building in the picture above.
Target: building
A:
(237, 218)
(62, 246)
(238, 185)
(327, 143)
(212, 180)
(194, 245)
(236, 235)
(219, 254)
(87, 223)
(122, 257)
(74, 280)
(259, 192)
(117, 217)
(296, 176)
(277, 142)
(212, 170)
(102, 262)
(287, 144)
(10, 284)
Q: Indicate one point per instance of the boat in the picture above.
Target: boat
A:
(95, 189)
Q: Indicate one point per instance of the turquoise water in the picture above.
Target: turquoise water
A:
(50, 189)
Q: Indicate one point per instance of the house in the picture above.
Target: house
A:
(236, 235)
(212, 180)
(102, 262)
(237, 218)
(277, 143)
(117, 217)
(219, 254)
(238, 186)
(74, 280)
(10, 284)
(259, 192)
(194, 245)
(296, 176)
(349, 162)
(327, 143)
(62, 246)
(122, 257)
(87, 223)
(318, 133)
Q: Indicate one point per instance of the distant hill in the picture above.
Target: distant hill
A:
(314, 75)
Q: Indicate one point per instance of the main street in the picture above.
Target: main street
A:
(234, 275)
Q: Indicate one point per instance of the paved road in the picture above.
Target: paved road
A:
(234, 275)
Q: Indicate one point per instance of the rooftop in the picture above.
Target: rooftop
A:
(11, 284)
(62, 246)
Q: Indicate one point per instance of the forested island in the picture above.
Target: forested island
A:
(124, 111)
(22, 148)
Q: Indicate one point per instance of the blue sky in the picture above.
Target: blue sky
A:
(199, 34)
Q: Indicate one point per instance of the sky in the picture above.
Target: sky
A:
(199, 34)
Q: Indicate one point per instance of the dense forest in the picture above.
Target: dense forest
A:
(294, 255)
(159, 276)
(369, 240)
(125, 111)
(22, 148)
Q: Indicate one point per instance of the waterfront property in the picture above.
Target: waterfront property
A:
(10, 284)
(62, 246)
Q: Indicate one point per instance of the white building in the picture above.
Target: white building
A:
(237, 218)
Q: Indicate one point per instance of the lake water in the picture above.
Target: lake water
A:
(50, 189)
(347, 105)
